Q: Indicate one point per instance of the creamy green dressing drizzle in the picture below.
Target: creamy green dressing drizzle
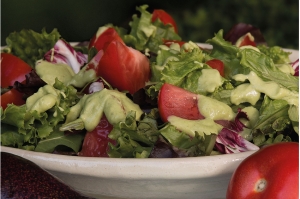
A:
(286, 68)
(206, 126)
(114, 104)
(271, 89)
(48, 72)
(244, 93)
(209, 80)
(252, 114)
(43, 100)
(213, 109)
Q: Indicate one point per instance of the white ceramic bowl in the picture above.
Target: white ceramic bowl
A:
(197, 177)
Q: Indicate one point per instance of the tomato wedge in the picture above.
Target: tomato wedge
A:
(164, 17)
(173, 100)
(11, 97)
(169, 42)
(216, 64)
(103, 37)
(246, 40)
(95, 142)
(12, 69)
(123, 67)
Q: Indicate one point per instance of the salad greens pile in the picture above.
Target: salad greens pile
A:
(259, 86)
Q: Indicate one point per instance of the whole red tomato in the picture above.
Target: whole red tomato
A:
(271, 172)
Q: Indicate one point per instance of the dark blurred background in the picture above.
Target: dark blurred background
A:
(78, 20)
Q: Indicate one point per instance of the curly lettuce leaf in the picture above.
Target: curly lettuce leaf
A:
(176, 72)
(199, 145)
(242, 61)
(274, 123)
(135, 139)
(145, 34)
(29, 45)
(265, 68)
(57, 138)
(276, 53)
(33, 126)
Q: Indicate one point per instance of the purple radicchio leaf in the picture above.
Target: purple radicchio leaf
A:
(64, 53)
(240, 29)
(295, 66)
(229, 140)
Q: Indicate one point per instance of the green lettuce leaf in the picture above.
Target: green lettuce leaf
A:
(274, 124)
(73, 141)
(276, 53)
(264, 67)
(191, 146)
(29, 45)
(33, 126)
(145, 34)
(135, 139)
(187, 68)
(243, 60)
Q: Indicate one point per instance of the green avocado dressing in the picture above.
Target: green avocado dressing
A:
(244, 93)
(206, 126)
(213, 109)
(48, 72)
(209, 80)
(43, 100)
(114, 104)
(270, 88)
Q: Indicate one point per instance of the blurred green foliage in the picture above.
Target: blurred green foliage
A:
(78, 20)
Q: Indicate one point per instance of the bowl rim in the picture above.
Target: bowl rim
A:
(149, 168)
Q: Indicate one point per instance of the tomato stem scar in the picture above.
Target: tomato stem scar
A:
(260, 185)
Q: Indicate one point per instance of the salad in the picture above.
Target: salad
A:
(145, 93)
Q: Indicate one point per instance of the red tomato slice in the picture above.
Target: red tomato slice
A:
(123, 67)
(246, 40)
(164, 17)
(103, 39)
(12, 69)
(217, 64)
(95, 143)
(173, 100)
(11, 97)
(169, 42)
(271, 172)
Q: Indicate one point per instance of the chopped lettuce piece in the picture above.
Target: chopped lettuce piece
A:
(145, 34)
(276, 53)
(29, 45)
(198, 145)
(135, 139)
(33, 126)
